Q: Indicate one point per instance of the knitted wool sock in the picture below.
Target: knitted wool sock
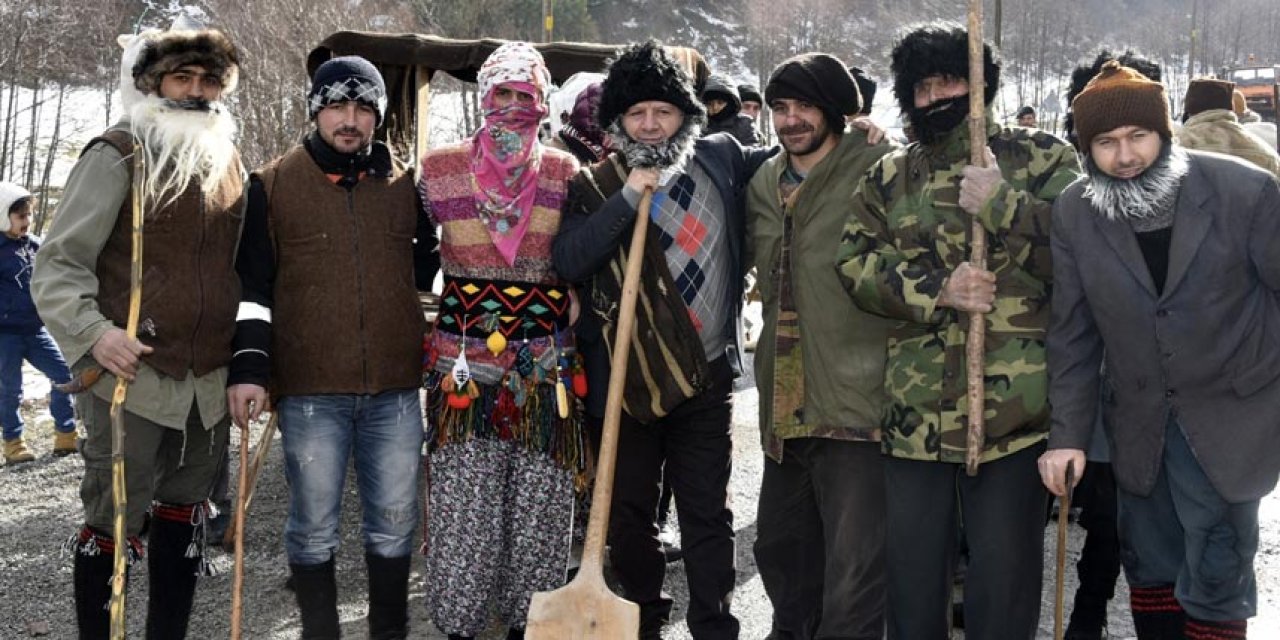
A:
(1156, 613)
(1216, 630)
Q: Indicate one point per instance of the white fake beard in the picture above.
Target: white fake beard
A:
(1141, 197)
(182, 145)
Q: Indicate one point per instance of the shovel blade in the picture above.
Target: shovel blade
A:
(582, 610)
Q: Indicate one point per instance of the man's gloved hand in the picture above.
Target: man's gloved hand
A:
(979, 184)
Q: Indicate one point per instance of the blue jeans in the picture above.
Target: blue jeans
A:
(40, 350)
(319, 434)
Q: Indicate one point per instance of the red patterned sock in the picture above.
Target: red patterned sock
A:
(1216, 629)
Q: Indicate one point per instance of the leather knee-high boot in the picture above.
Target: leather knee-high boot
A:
(317, 593)
(388, 597)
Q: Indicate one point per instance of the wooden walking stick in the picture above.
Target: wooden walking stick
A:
(237, 579)
(1063, 511)
(119, 495)
(975, 345)
(585, 609)
(259, 458)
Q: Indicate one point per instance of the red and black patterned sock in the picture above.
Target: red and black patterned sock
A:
(1216, 629)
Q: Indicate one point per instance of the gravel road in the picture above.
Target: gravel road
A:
(39, 508)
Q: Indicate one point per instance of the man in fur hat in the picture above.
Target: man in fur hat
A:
(819, 367)
(1166, 262)
(676, 413)
(172, 85)
(903, 256)
(329, 321)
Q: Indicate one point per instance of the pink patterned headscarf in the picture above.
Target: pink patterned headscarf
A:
(506, 153)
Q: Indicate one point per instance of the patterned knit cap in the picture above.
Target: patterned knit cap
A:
(515, 62)
(347, 79)
(1117, 97)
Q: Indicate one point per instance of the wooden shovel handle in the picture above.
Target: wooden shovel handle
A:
(975, 344)
(602, 495)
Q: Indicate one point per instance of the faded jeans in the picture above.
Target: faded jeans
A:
(320, 433)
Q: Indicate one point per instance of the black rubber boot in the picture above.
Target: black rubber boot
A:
(92, 578)
(173, 578)
(317, 593)
(388, 597)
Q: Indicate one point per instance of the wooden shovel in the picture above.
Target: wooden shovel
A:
(975, 343)
(585, 609)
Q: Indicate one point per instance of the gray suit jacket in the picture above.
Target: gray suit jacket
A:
(1207, 350)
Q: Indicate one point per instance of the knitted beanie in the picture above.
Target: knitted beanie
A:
(819, 79)
(644, 72)
(1117, 97)
(347, 79)
(1204, 94)
(866, 89)
(749, 93)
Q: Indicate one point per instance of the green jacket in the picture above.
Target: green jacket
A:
(905, 235)
(840, 367)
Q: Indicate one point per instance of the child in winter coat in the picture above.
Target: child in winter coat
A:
(22, 334)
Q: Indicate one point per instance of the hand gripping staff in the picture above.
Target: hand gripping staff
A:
(118, 490)
(975, 344)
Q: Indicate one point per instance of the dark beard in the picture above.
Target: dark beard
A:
(936, 119)
(820, 134)
(1143, 200)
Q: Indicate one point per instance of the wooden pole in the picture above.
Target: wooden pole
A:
(255, 468)
(119, 490)
(1064, 509)
(975, 346)
(237, 580)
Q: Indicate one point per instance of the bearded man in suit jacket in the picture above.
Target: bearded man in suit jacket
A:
(1168, 262)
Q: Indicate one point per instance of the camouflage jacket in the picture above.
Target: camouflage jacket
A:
(905, 234)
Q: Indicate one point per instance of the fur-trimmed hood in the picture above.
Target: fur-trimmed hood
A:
(938, 48)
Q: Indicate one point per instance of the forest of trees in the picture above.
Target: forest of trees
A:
(55, 49)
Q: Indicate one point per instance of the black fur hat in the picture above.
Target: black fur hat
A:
(938, 48)
(1083, 73)
(643, 72)
(168, 51)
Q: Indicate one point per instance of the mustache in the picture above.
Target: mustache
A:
(347, 131)
(796, 128)
(192, 104)
(939, 106)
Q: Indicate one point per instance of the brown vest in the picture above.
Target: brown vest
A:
(190, 289)
(346, 316)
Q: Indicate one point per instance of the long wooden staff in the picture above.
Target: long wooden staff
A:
(119, 496)
(1064, 510)
(237, 576)
(975, 346)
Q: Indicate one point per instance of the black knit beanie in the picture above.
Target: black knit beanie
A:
(749, 93)
(347, 79)
(820, 80)
(645, 72)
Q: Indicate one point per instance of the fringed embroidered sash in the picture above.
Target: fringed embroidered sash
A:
(523, 309)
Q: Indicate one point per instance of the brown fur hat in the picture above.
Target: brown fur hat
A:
(168, 51)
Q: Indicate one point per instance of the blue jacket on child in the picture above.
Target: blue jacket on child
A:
(17, 311)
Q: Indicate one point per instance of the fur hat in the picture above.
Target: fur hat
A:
(347, 79)
(164, 52)
(866, 88)
(749, 93)
(819, 79)
(1118, 97)
(1204, 94)
(10, 195)
(1083, 73)
(940, 48)
(644, 72)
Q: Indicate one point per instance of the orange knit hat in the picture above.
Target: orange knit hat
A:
(1117, 97)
